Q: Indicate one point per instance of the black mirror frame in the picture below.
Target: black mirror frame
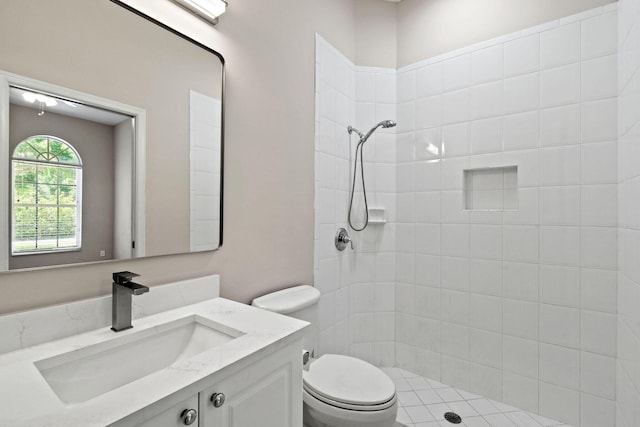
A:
(222, 100)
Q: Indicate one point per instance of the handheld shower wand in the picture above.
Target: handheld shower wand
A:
(363, 138)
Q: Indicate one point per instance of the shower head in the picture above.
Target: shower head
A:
(385, 124)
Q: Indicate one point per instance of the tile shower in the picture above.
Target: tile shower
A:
(514, 296)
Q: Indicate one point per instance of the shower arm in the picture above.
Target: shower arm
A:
(351, 129)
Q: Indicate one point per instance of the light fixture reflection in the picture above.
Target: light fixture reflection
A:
(207, 9)
(433, 150)
(38, 97)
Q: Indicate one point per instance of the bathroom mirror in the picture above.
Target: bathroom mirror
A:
(168, 91)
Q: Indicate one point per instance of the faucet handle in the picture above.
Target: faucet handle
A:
(122, 277)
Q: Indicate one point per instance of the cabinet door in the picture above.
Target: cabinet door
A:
(172, 417)
(267, 394)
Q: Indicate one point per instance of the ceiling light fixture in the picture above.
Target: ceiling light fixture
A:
(209, 10)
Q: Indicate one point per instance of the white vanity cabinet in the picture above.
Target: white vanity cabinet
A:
(267, 394)
(265, 391)
(177, 415)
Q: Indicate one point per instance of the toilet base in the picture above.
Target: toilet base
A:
(319, 414)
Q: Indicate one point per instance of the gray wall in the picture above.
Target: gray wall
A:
(268, 193)
(376, 25)
(94, 143)
(432, 27)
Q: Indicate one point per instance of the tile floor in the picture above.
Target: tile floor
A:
(423, 402)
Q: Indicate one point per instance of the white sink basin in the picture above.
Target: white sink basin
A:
(82, 374)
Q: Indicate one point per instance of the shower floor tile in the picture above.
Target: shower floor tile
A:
(423, 403)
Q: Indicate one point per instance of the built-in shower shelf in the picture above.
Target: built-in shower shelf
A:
(491, 189)
(377, 216)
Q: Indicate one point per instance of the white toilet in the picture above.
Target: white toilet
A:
(339, 391)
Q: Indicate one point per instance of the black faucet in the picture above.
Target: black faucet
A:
(123, 288)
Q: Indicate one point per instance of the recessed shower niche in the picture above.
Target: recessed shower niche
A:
(491, 189)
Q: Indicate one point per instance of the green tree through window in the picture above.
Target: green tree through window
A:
(46, 199)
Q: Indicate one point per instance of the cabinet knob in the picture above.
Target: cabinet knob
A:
(189, 416)
(217, 399)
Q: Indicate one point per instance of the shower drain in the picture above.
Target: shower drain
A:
(452, 417)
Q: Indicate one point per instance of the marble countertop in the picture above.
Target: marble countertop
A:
(26, 399)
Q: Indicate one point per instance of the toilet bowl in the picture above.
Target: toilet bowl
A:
(338, 390)
(342, 391)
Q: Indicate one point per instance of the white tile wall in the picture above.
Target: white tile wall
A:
(627, 382)
(520, 306)
(522, 56)
(205, 153)
(357, 308)
(526, 298)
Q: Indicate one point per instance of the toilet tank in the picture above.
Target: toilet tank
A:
(299, 302)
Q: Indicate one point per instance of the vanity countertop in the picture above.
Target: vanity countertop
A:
(26, 399)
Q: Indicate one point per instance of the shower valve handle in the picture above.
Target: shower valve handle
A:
(349, 241)
(342, 240)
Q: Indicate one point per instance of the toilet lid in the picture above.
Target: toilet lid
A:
(348, 380)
